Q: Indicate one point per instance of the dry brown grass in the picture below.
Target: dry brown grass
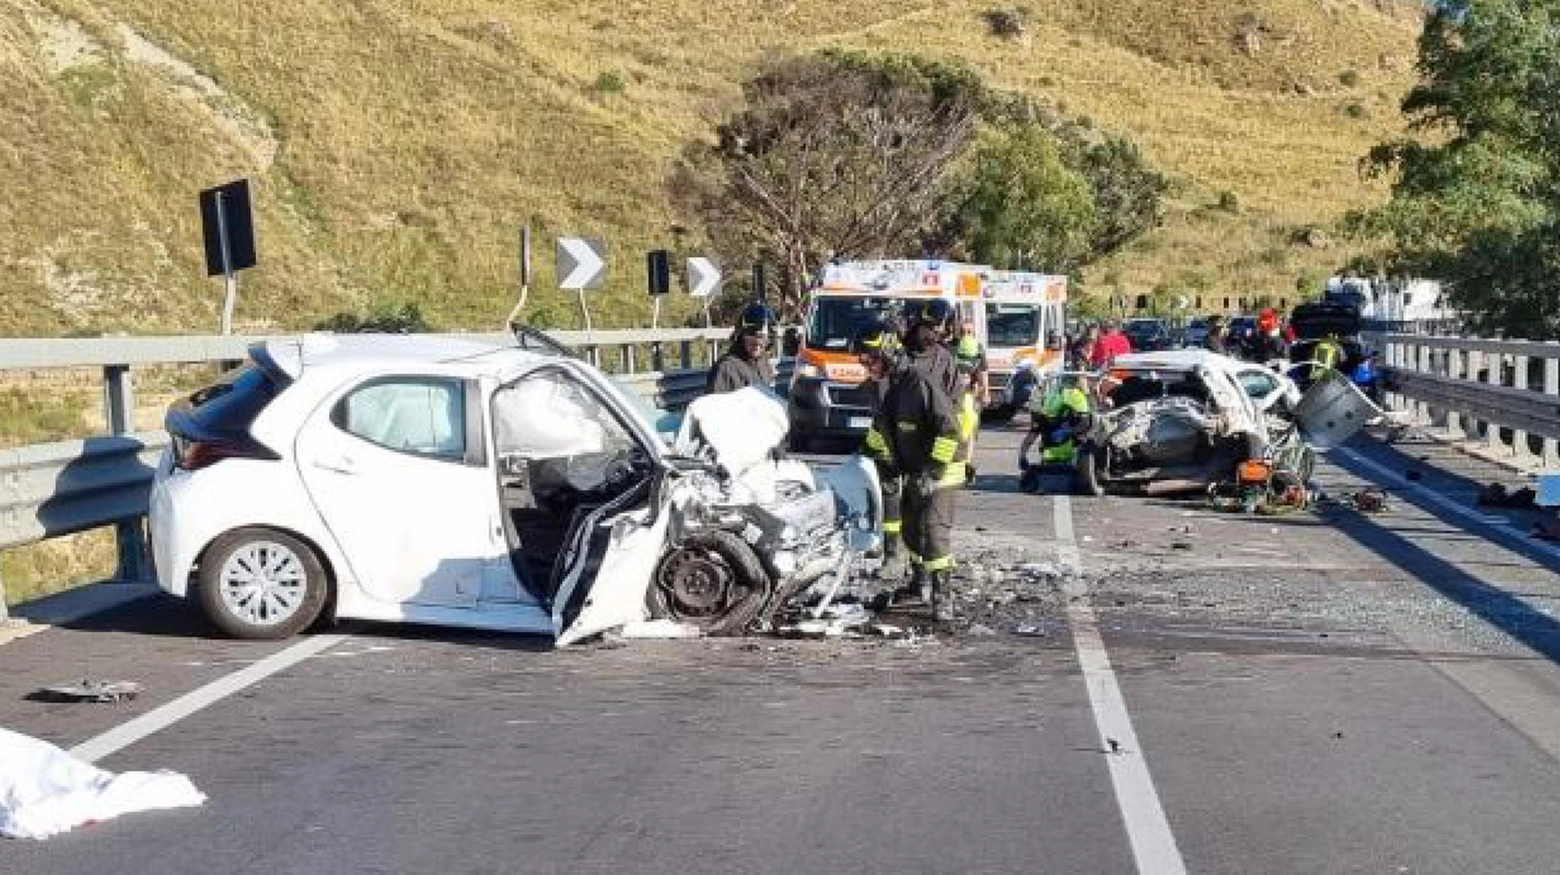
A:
(415, 136)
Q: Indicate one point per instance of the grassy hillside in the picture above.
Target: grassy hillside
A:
(396, 146)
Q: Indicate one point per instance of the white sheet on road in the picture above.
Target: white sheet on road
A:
(45, 791)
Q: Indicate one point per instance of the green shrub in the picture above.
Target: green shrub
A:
(608, 82)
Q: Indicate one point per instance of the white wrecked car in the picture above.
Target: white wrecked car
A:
(452, 482)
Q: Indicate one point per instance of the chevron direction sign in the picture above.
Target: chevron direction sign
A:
(582, 262)
(703, 277)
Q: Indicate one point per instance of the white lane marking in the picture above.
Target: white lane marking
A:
(1153, 845)
(161, 718)
(1518, 542)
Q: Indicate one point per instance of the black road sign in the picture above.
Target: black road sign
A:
(659, 271)
(228, 228)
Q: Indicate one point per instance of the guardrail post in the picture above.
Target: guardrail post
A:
(118, 398)
(1494, 369)
(1552, 389)
(1519, 437)
(1429, 365)
(1456, 369)
(685, 355)
(626, 358)
(657, 357)
(118, 410)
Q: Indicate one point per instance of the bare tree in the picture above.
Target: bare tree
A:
(830, 155)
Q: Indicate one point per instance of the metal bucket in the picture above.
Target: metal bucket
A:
(1332, 410)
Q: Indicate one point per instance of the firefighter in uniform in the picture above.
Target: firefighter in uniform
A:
(915, 434)
(927, 331)
(746, 362)
(921, 333)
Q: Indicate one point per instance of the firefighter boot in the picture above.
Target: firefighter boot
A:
(940, 598)
(914, 589)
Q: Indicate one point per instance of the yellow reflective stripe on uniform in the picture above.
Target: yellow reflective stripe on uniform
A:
(943, 449)
(874, 441)
(953, 475)
(941, 563)
(893, 527)
(914, 557)
(969, 419)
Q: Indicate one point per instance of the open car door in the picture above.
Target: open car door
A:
(607, 565)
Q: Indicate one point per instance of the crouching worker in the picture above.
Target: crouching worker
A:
(917, 433)
(1055, 417)
(746, 362)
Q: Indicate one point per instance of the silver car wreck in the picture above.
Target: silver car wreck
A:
(1181, 420)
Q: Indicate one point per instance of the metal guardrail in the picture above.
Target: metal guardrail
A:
(1504, 394)
(49, 490)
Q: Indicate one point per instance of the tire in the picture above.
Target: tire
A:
(293, 593)
(712, 580)
(1086, 472)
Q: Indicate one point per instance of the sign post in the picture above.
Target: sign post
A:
(228, 230)
(525, 276)
(658, 271)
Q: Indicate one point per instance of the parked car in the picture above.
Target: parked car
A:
(1242, 330)
(1195, 334)
(452, 482)
(1180, 420)
(1147, 335)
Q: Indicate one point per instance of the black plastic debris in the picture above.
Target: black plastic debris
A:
(89, 691)
(1495, 495)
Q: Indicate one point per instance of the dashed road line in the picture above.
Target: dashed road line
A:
(1153, 845)
(162, 717)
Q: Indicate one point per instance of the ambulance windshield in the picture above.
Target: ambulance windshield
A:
(1012, 325)
(834, 321)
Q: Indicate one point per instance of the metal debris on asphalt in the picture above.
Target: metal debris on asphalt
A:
(90, 691)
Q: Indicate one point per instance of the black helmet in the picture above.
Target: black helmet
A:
(936, 313)
(878, 339)
(756, 318)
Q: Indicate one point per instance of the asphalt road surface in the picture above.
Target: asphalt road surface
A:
(1135, 685)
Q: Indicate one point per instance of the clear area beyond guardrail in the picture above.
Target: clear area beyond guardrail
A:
(1504, 394)
(54, 489)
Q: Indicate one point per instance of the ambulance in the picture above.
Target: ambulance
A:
(1023, 326)
(828, 398)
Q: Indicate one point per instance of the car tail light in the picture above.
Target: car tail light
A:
(191, 455)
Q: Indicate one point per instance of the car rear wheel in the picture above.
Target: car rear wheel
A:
(1086, 471)
(261, 584)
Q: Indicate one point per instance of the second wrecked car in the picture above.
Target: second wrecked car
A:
(1182, 419)
(453, 482)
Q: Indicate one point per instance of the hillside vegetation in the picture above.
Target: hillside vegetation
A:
(396, 146)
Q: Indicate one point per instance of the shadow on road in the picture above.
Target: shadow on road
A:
(1501, 609)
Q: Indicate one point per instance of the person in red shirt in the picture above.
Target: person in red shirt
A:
(1111, 344)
